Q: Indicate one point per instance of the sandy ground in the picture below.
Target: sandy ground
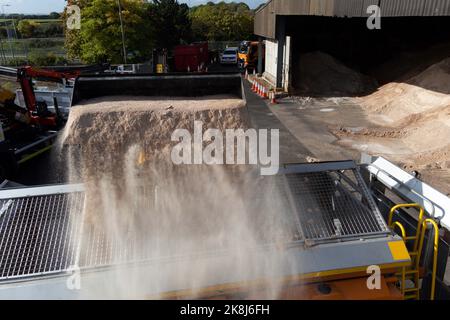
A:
(406, 121)
(340, 129)
(410, 124)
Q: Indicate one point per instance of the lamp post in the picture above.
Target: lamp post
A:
(123, 33)
(3, 10)
(4, 59)
(7, 33)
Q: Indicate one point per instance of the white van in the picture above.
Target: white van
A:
(229, 56)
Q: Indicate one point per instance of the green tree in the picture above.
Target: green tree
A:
(222, 21)
(54, 15)
(100, 37)
(171, 19)
(73, 38)
(27, 28)
(45, 59)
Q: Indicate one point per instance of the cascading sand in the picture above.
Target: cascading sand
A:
(175, 227)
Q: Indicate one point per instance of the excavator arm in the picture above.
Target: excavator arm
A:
(38, 112)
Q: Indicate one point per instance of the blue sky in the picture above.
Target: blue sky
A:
(47, 6)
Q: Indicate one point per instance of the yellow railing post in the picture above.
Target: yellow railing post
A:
(403, 274)
(414, 254)
(419, 222)
(435, 251)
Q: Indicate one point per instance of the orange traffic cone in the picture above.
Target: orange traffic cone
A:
(273, 97)
(254, 86)
(265, 96)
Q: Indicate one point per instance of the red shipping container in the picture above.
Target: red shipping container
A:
(194, 56)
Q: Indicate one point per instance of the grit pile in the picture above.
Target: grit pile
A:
(99, 132)
(140, 206)
(322, 75)
(412, 123)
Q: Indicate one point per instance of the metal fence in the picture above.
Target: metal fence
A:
(14, 50)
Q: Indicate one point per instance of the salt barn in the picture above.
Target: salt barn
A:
(303, 38)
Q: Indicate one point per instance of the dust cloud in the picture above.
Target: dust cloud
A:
(168, 228)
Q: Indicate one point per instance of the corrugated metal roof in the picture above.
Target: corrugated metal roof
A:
(288, 7)
(437, 8)
(265, 19)
(321, 8)
(350, 8)
(401, 8)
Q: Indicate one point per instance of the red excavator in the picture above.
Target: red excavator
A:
(28, 132)
(38, 111)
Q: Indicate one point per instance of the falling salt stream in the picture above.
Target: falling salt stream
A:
(145, 208)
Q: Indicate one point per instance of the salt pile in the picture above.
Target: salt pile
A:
(321, 74)
(413, 123)
(427, 92)
(419, 109)
(101, 130)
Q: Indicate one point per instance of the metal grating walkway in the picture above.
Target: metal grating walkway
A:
(37, 233)
(40, 233)
(329, 209)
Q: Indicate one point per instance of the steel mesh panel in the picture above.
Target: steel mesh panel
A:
(100, 249)
(329, 208)
(37, 234)
(274, 188)
(46, 234)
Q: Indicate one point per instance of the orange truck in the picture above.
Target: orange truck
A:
(248, 54)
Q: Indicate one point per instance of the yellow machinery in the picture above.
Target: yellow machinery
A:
(333, 238)
(413, 272)
(248, 54)
(6, 95)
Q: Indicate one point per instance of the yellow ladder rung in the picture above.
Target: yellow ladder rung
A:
(410, 277)
(410, 272)
(407, 276)
(418, 247)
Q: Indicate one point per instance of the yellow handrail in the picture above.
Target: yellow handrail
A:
(403, 273)
(401, 227)
(419, 222)
(435, 249)
(416, 239)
